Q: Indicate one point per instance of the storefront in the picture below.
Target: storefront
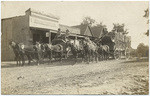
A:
(43, 27)
(29, 28)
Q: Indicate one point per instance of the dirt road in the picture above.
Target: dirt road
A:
(105, 77)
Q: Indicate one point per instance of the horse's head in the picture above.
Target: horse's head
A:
(12, 44)
(69, 43)
(38, 46)
(43, 47)
(85, 44)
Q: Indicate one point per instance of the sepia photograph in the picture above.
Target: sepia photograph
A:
(74, 47)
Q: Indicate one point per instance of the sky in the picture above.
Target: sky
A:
(72, 12)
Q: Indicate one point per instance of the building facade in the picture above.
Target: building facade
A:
(33, 26)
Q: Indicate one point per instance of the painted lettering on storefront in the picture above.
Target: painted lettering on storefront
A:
(41, 23)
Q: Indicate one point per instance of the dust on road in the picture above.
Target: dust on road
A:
(106, 77)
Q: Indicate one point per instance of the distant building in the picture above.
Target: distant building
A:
(85, 30)
(91, 31)
(98, 31)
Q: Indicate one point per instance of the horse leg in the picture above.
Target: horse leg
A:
(82, 56)
(88, 58)
(17, 61)
(23, 60)
(76, 57)
(50, 57)
(96, 56)
(108, 56)
(20, 61)
(100, 57)
(92, 56)
(38, 60)
(29, 59)
(60, 54)
(104, 56)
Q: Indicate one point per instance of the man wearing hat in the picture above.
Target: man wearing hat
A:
(67, 34)
(58, 33)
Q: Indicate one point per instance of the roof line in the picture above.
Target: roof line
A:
(12, 17)
(91, 31)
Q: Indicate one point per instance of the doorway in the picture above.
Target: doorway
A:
(40, 36)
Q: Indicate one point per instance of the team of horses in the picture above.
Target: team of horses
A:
(87, 50)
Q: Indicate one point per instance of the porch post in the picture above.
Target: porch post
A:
(49, 37)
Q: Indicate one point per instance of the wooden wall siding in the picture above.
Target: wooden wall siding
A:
(17, 29)
(6, 26)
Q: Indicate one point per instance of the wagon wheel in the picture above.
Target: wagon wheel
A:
(116, 54)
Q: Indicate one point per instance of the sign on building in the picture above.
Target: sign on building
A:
(47, 34)
(39, 20)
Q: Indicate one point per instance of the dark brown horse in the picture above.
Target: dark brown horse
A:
(47, 51)
(53, 51)
(30, 51)
(17, 51)
(103, 52)
(77, 49)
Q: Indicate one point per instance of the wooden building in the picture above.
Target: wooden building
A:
(33, 26)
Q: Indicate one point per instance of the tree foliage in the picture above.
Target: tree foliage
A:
(147, 17)
(120, 28)
(88, 20)
(142, 50)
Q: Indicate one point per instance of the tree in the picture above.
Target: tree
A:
(101, 25)
(142, 50)
(119, 28)
(88, 20)
(147, 17)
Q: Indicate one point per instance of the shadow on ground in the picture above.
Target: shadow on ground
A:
(70, 61)
(137, 60)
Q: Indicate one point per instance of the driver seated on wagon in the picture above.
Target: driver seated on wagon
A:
(62, 37)
(58, 35)
(67, 34)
